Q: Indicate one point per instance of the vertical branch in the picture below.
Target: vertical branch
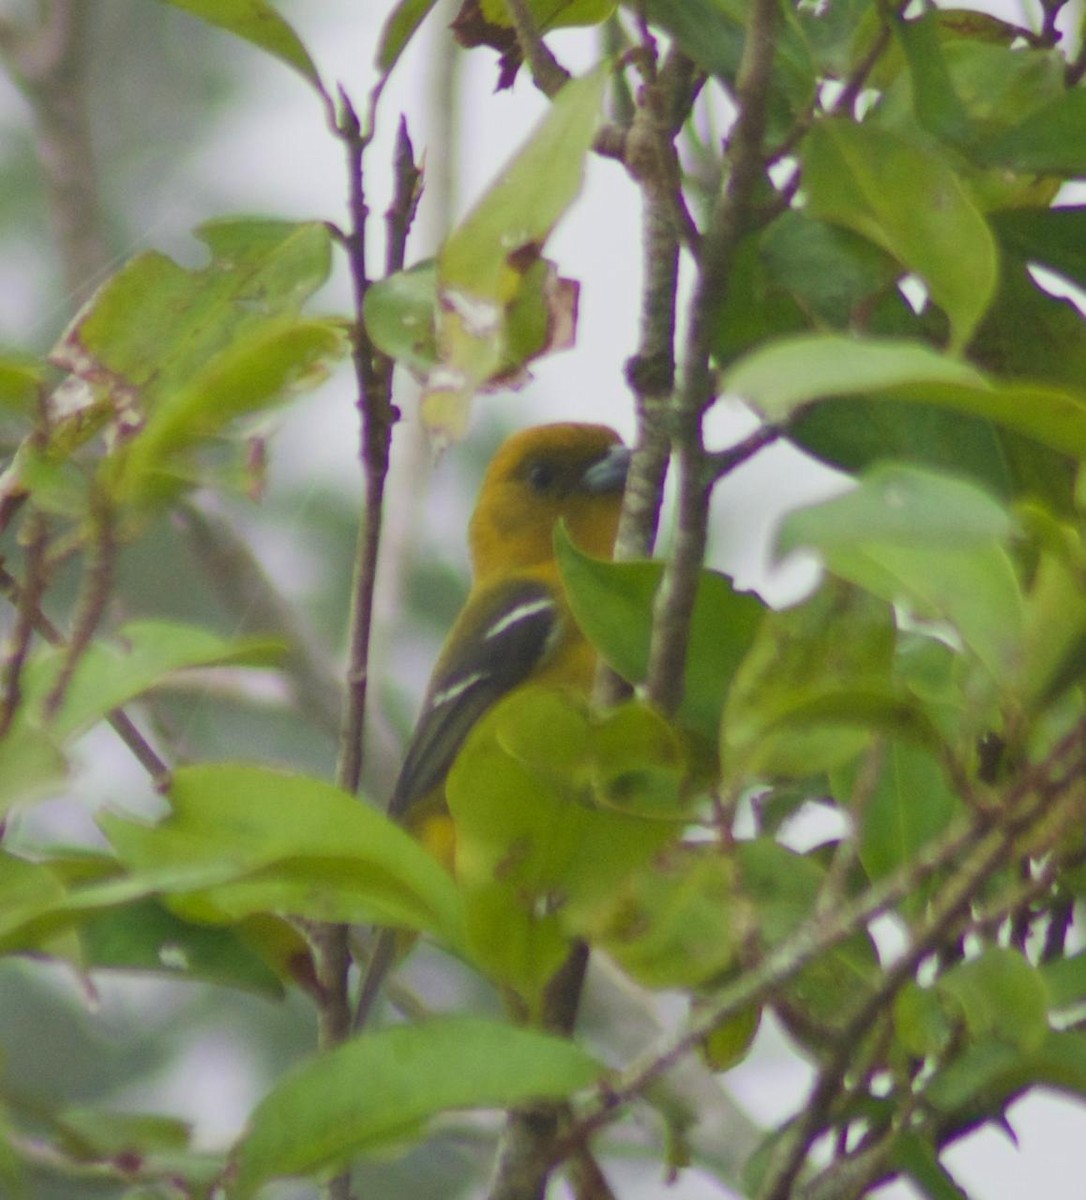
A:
(675, 600)
(377, 415)
(27, 601)
(47, 63)
(525, 1155)
(651, 158)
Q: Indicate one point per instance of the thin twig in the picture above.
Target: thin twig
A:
(374, 375)
(27, 602)
(121, 723)
(948, 916)
(373, 378)
(1040, 807)
(724, 462)
(775, 969)
(95, 588)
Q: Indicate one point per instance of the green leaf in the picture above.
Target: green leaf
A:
(257, 22)
(910, 803)
(483, 266)
(921, 1024)
(1051, 140)
(969, 89)
(1055, 351)
(31, 765)
(551, 14)
(713, 32)
(999, 84)
(142, 655)
(992, 1072)
(908, 201)
(1055, 627)
(729, 1042)
(26, 889)
(783, 888)
(791, 372)
(172, 354)
(612, 603)
(829, 270)
(755, 307)
(677, 923)
(399, 28)
(1061, 1062)
(11, 1169)
(21, 382)
(814, 688)
(854, 433)
(370, 1093)
(932, 541)
(1065, 981)
(546, 825)
(920, 1163)
(937, 105)
(1054, 237)
(146, 936)
(710, 31)
(91, 1134)
(904, 505)
(257, 370)
(999, 994)
(245, 839)
(399, 312)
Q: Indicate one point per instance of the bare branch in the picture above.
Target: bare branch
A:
(723, 462)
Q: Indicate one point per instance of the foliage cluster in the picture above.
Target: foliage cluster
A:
(876, 246)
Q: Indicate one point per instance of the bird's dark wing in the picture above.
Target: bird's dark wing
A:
(497, 642)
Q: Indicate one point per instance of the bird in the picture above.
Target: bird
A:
(516, 626)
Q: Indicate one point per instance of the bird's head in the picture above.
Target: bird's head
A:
(567, 471)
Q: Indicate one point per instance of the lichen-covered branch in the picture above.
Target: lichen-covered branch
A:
(548, 74)
(675, 600)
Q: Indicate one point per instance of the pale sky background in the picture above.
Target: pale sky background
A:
(271, 154)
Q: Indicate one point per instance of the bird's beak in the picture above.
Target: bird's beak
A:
(608, 474)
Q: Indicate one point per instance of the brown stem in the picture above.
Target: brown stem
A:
(374, 375)
(27, 602)
(723, 462)
(373, 378)
(94, 596)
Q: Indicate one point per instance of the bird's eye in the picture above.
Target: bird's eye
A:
(541, 475)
